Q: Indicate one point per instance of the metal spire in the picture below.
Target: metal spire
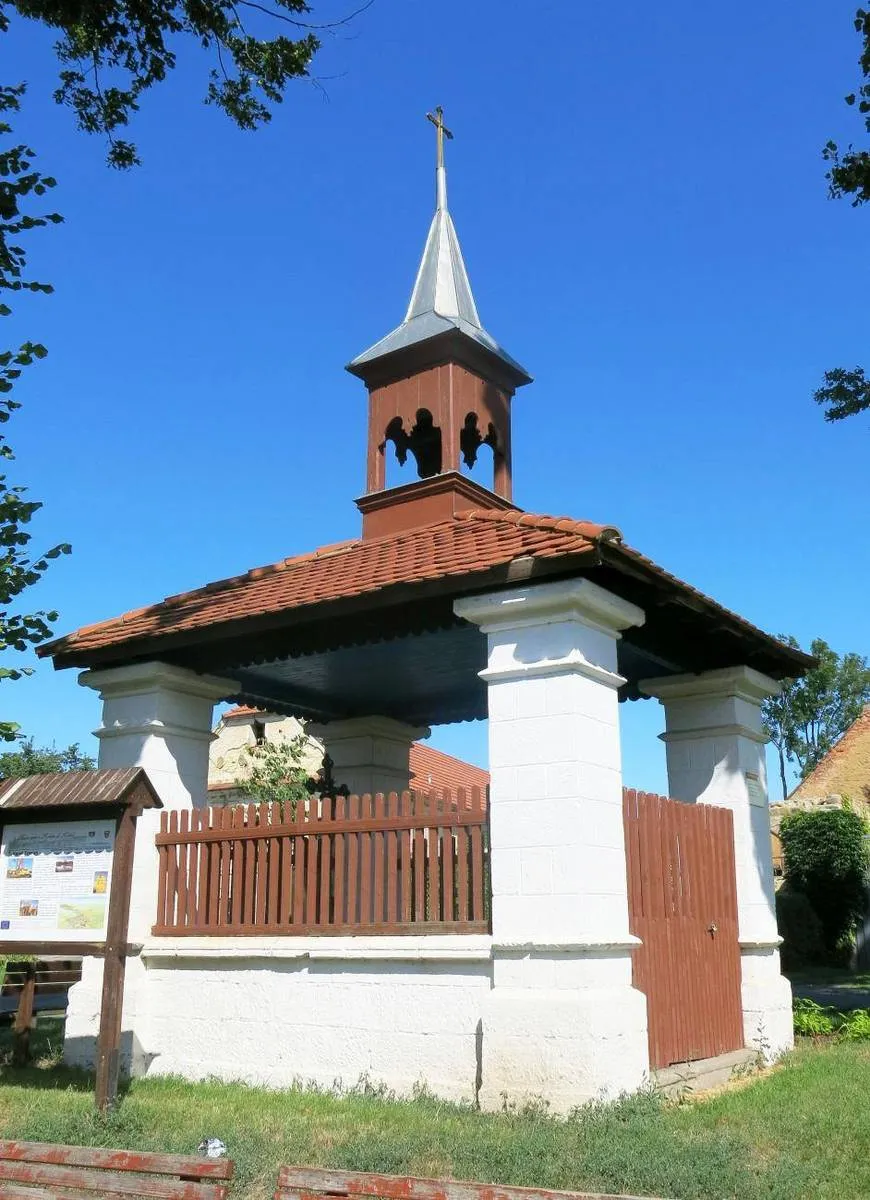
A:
(441, 298)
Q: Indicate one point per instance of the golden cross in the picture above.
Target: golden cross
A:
(437, 119)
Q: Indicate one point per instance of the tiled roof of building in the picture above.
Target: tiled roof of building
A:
(845, 769)
(461, 547)
(431, 768)
(240, 710)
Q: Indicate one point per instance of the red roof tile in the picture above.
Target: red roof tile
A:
(472, 541)
(468, 544)
(431, 768)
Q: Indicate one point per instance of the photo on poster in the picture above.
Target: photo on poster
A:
(85, 913)
(19, 868)
(101, 882)
(28, 908)
(63, 866)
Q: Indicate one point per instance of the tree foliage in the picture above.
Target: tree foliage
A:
(847, 392)
(826, 859)
(113, 51)
(31, 759)
(811, 714)
(276, 771)
(22, 188)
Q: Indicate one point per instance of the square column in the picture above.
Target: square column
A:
(369, 754)
(563, 1020)
(715, 751)
(158, 717)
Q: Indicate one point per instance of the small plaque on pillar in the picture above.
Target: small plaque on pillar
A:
(756, 793)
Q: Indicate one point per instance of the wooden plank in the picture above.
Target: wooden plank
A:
(115, 962)
(237, 883)
(225, 858)
(406, 900)
(299, 851)
(353, 849)
(364, 823)
(193, 853)
(419, 860)
(434, 872)
(379, 856)
(285, 892)
(463, 866)
(202, 907)
(189, 1166)
(325, 840)
(338, 888)
(261, 880)
(273, 878)
(183, 826)
(478, 878)
(312, 849)
(366, 912)
(249, 894)
(368, 927)
(446, 839)
(163, 873)
(302, 1181)
(107, 1183)
(24, 1017)
(391, 873)
(213, 850)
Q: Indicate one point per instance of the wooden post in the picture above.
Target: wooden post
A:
(115, 962)
(24, 1018)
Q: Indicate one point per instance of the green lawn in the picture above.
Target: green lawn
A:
(798, 1132)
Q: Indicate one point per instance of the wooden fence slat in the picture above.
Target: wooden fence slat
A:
(366, 912)
(325, 840)
(419, 868)
(183, 827)
(391, 850)
(312, 848)
(447, 849)
(338, 868)
(225, 863)
(353, 894)
(478, 883)
(405, 880)
(434, 874)
(238, 869)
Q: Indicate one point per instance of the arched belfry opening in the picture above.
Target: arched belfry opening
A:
(440, 390)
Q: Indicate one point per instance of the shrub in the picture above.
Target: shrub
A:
(855, 1026)
(811, 1020)
(800, 929)
(825, 858)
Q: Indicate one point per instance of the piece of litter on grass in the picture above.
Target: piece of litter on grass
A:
(212, 1148)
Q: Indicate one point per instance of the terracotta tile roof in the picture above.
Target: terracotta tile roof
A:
(472, 541)
(469, 544)
(431, 768)
(845, 769)
(241, 710)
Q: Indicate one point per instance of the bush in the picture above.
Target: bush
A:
(812, 1020)
(825, 858)
(800, 929)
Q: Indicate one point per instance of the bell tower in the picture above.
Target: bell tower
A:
(440, 390)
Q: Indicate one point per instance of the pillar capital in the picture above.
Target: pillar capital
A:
(550, 603)
(742, 683)
(138, 678)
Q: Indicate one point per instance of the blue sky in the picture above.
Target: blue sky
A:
(642, 206)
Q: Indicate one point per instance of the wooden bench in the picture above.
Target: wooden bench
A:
(41, 1171)
(311, 1183)
(31, 987)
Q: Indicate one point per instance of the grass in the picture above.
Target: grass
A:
(831, 977)
(798, 1131)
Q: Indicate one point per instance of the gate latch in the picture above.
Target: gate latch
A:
(713, 928)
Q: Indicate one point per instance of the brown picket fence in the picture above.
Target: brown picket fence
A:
(400, 863)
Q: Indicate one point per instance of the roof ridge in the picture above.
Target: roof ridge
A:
(591, 529)
(860, 723)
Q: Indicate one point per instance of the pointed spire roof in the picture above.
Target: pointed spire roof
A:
(442, 299)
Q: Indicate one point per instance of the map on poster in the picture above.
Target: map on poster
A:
(54, 880)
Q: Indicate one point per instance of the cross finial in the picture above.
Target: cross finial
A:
(437, 119)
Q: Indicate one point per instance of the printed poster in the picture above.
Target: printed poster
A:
(54, 880)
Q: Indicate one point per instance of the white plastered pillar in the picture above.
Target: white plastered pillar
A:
(562, 1021)
(158, 717)
(369, 754)
(715, 751)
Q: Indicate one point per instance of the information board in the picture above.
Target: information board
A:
(54, 880)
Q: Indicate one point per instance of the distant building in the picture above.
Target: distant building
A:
(242, 728)
(843, 774)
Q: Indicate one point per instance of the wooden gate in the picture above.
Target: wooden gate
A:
(682, 902)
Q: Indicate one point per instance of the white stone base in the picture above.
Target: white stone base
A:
(561, 1027)
(768, 1024)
